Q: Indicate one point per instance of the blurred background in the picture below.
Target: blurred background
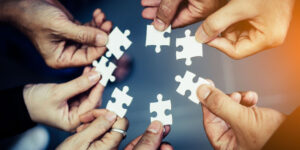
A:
(274, 74)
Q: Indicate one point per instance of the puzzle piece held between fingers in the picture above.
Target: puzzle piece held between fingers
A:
(105, 71)
(157, 38)
(160, 108)
(121, 97)
(187, 84)
(191, 48)
(117, 39)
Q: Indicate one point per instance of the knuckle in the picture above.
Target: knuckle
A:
(236, 56)
(147, 142)
(164, 11)
(211, 27)
(217, 101)
(82, 36)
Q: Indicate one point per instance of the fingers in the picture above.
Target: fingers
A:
(166, 146)
(249, 98)
(93, 100)
(243, 47)
(112, 139)
(92, 115)
(219, 104)
(150, 3)
(149, 13)
(98, 127)
(83, 34)
(151, 139)
(166, 13)
(231, 13)
(79, 85)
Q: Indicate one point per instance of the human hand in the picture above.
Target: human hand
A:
(62, 41)
(234, 122)
(239, 29)
(97, 134)
(152, 138)
(178, 13)
(59, 105)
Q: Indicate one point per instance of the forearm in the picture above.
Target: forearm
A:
(13, 113)
(287, 135)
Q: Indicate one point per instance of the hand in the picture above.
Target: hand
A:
(234, 122)
(61, 41)
(239, 29)
(97, 135)
(59, 105)
(178, 13)
(151, 139)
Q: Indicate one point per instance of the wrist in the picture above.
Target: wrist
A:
(26, 96)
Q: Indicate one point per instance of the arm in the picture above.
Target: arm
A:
(288, 134)
(13, 113)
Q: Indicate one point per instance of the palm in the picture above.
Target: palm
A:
(239, 39)
(195, 10)
(62, 50)
(218, 131)
(189, 11)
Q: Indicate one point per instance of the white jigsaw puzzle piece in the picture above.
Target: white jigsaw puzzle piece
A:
(121, 97)
(117, 39)
(157, 38)
(160, 107)
(105, 71)
(187, 84)
(191, 48)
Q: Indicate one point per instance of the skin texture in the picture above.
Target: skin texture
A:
(59, 105)
(239, 29)
(61, 40)
(97, 134)
(234, 122)
(151, 139)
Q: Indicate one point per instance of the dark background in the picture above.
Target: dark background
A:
(267, 73)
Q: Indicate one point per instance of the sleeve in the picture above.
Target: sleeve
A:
(14, 116)
(287, 135)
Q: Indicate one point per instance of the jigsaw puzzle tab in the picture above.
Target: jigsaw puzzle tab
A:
(157, 38)
(106, 71)
(190, 48)
(187, 84)
(116, 40)
(160, 108)
(121, 97)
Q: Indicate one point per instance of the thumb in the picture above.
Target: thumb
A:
(78, 85)
(219, 21)
(84, 34)
(151, 139)
(165, 14)
(220, 104)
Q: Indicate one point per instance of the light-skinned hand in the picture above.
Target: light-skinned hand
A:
(97, 135)
(178, 13)
(61, 40)
(152, 138)
(234, 122)
(60, 105)
(239, 29)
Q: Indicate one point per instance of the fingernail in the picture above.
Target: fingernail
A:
(159, 24)
(154, 127)
(203, 92)
(93, 76)
(101, 39)
(110, 116)
(202, 37)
